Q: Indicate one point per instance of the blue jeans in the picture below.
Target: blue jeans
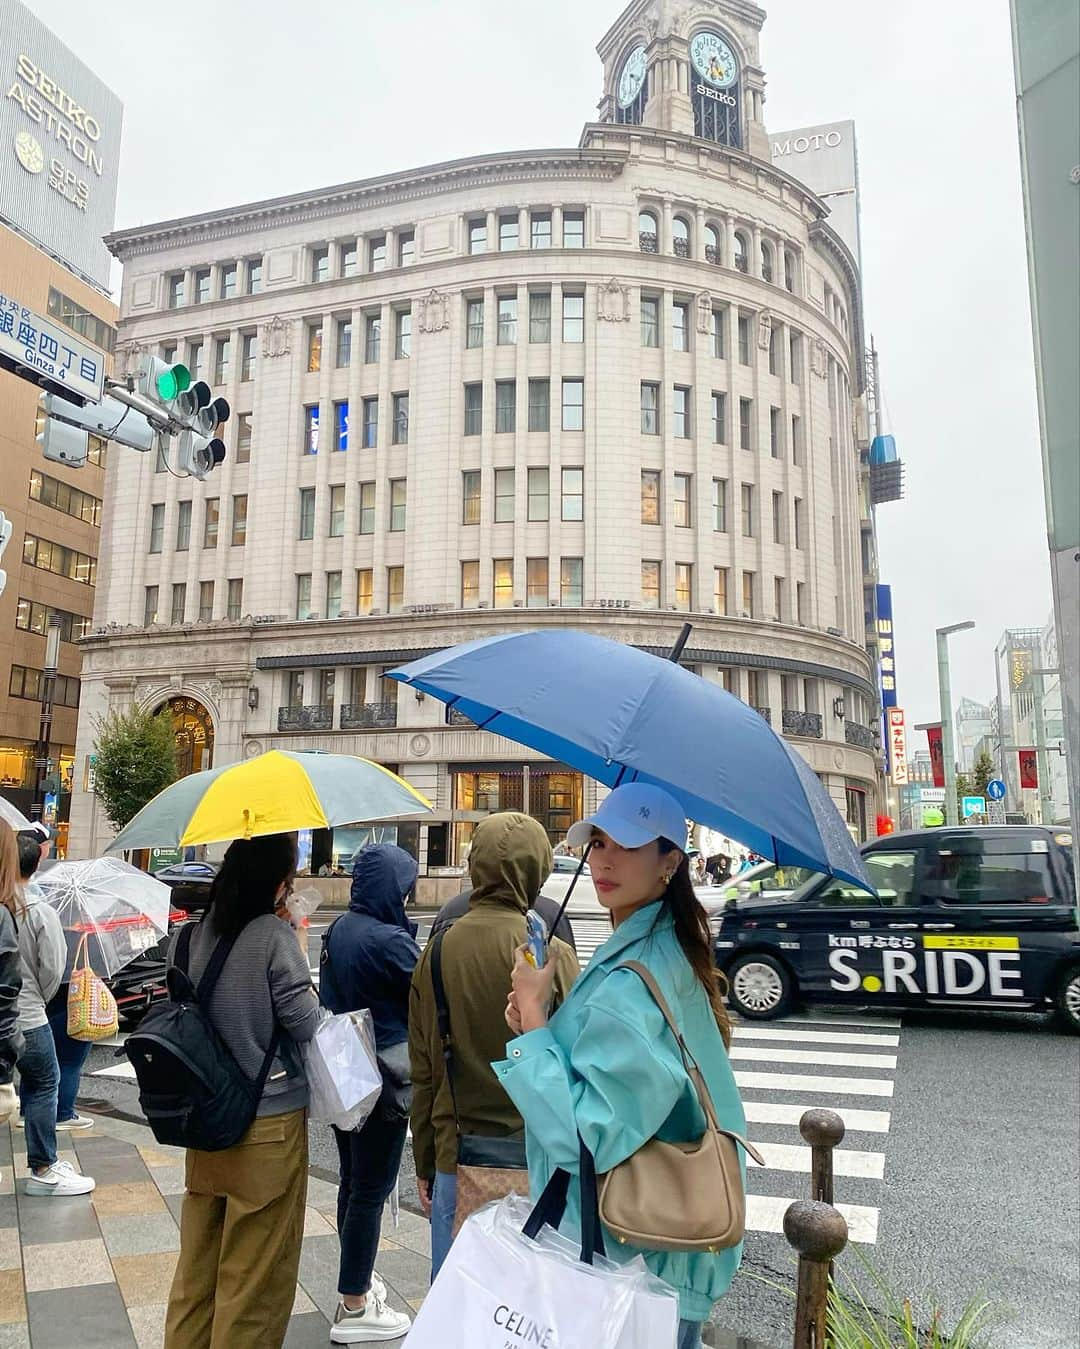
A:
(70, 1055)
(689, 1335)
(369, 1158)
(39, 1079)
(443, 1203)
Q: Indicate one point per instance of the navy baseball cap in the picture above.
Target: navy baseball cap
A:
(633, 815)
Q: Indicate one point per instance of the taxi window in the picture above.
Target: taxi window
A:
(990, 878)
(892, 875)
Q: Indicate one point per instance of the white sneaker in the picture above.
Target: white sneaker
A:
(377, 1286)
(60, 1179)
(377, 1322)
(76, 1122)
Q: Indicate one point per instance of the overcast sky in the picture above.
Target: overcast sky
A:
(231, 102)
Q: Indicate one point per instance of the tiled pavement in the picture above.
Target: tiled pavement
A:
(96, 1270)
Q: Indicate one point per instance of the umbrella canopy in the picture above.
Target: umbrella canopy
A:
(274, 793)
(620, 715)
(124, 910)
(12, 816)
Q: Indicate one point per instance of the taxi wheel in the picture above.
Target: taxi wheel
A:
(1067, 999)
(759, 987)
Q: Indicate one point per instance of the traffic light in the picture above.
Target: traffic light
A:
(5, 538)
(162, 383)
(109, 419)
(63, 444)
(201, 448)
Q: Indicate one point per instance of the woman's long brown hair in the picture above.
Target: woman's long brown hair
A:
(695, 937)
(10, 881)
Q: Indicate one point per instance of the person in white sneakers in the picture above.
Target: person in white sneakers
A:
(42, 956)
(11, 1040)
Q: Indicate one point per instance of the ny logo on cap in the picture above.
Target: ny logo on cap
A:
(643, 811)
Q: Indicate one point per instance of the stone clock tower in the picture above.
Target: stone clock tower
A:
(689, 66)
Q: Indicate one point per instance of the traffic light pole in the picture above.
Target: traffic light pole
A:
(945, 697)
(48, 687)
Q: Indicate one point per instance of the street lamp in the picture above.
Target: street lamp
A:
(48, 684)
(945, 698)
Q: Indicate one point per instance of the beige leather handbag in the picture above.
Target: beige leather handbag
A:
(679, 1196)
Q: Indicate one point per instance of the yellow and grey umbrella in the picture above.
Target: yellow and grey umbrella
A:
(275, 793)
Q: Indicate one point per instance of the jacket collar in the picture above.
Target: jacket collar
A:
(627, 934)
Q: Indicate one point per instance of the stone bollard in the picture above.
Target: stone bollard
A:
(822, 1129)
(819, 1234)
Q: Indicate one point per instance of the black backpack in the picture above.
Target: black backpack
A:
(191, 1089)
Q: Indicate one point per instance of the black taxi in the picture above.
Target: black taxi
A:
(976, 917)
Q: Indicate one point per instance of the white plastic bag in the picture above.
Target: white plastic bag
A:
(344, 1080)
(499, 1288)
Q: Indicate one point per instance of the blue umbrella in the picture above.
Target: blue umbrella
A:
(621, 715)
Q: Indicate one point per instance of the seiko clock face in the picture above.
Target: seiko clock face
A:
(632, 77)
(713, 59)
(29, 153)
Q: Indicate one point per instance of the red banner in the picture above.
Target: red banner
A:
(937, 756)
(1029, 768)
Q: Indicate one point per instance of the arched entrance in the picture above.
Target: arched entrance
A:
(193, 729)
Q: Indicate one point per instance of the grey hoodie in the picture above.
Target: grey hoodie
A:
(42, 955)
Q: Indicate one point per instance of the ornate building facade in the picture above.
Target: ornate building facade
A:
(613, 387)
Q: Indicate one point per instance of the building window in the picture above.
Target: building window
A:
(539, 316)
(573, 405)
(539, 404)
(573, 318)
(395, 589)
(33, 616)
(60, 560)
(650, 585)
(470, 584)
(29, 684)
(229, 280)
(341, 425)
(744, 339)
(650, 496)
(766, 260)
(337, 511)
(372, 338)
(474, 409)
(505, 406)
(311, 430)
(789, 270)
(742, 252)
(470, 497)
(680, 237)
(183, 527)
(303, 595)
(683, 500)
(254, 276)
(157, 527)
(503, 582)
(320, 264)
(174, 286)
(748, 594)
(367, 508)
(796, 439)
(247, 357)
(800, 602)
(333, 594)
(508, 233)
(799, 525)
(536, 582)
(504, 495)
(570, 582)
(474, 323)
(573, 494)
(406, 249)
(712, 245)
(719, 505)
(778, 599)
(573, 229)
(680, 326)
(377, 253)
(778, 517)
(720, 589)
(314, 348)
(344, 342)
(202, 286)
(398, 487)
(206, 601)
(795, 361)
(774, 351)
(478, 236)
(239, 520)
(365, 590)
(718, 324)
(350, 258)
(539, 505)
(401, 419)
(222, 359)
(150, 606)
(650, 321)
(210, 523)
(684, 574)
(402, 334)
(746, 408)
(747, 496)
(648, 233)
(650, 409)
(775, 447)
(179, 602)
(681, 413)
(65, 498)
(719, 418)
(506, 331)
(195, 360)
(541, 229)
(369, 430)
(235, 599)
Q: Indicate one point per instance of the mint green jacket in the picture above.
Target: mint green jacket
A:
(608, 1066)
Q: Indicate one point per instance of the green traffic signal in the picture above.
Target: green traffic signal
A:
(173, 381)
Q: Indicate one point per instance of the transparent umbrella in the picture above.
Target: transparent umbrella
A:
(124, 911)
(12, 815)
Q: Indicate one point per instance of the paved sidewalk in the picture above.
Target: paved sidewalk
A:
(96, 1270)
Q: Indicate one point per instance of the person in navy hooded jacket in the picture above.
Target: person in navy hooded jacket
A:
(367, 961)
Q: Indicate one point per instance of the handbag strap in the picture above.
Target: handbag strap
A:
(442, 1020)
(693, 1069)
(551, 1206)
(80, 953)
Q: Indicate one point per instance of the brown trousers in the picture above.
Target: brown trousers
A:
(241, 1228)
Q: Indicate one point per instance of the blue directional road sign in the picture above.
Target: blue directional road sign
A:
(995, 789)
(973, 805)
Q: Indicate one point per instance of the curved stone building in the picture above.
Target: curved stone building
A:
(614, 386)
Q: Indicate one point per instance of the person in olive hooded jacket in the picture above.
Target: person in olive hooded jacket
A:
(509, 860)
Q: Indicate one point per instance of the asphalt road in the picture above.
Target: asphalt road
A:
(971, 1185)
